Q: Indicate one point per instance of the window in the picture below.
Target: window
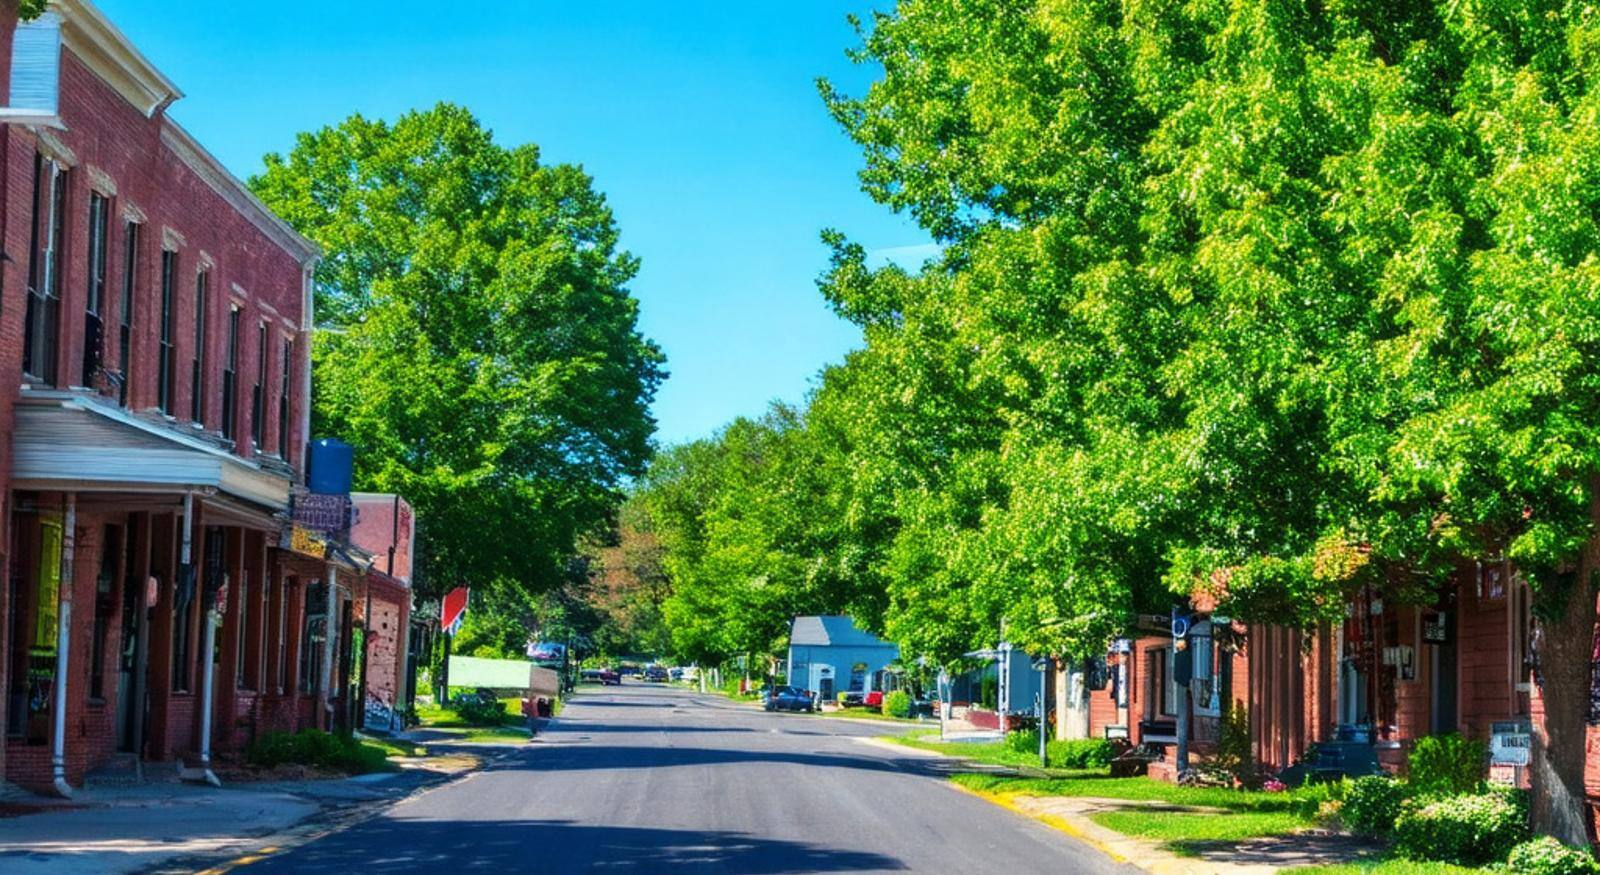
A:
(242, 636)
(230, 377)
(281, 677)
(197, 400)
(182, 624)
(130, 273)
(42, 320)
(104, 607)
(315, 635)
(283, 400)
(258, 400)
(94, 335)
(168, 365)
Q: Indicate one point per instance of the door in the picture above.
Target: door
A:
(824, 683)
(128, 657)
(1444, 678)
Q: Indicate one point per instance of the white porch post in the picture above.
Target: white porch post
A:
(58, 750)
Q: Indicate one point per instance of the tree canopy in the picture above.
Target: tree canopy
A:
(476, 340)
(1262, 302)
(1266, 300)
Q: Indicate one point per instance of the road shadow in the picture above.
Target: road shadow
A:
(500, 846)
(585, 727)
(587, 757)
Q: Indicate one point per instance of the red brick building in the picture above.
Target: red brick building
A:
(1392, 673)
(154, 383)
(385, 529)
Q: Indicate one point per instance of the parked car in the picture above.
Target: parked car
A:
(602, 676)
(674, 674)
(788, 699)
(656, 674)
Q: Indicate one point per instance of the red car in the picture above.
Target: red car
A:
(605, 677)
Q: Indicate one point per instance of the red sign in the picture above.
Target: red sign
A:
(455, 608)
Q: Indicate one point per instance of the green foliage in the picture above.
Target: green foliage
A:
(1372, 804)
(1080, 753)
(1447, 765)
(1023, 741)
(752, 534)
(317, 749)
(897, 704)
(1470, 830)
(482, 351)
(1235, 753)
(1546, 856)
(478, 712)
(27, 10)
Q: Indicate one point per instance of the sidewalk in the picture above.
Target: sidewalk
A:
(127, 829)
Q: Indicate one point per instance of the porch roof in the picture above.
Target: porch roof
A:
(67, 440)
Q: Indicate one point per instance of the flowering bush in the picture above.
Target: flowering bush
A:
(1273, 785)
(1546, 856)
(1465, 830)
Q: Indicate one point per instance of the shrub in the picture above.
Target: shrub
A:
(475, 711)
(1081, 753)
(1466, 830)
(316, 749)
(1447, 765)
(1233, 744)
(897, 704)
(1025, 741)
(1371, 804)
(1546, 856)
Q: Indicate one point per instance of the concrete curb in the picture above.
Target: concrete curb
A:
(1056, 822)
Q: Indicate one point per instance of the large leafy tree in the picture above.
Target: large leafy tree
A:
(476, 339)
(1273, 300)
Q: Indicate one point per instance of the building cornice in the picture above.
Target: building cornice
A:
(107, 52)
(210, 170)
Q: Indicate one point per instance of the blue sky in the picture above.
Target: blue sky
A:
(700, 121)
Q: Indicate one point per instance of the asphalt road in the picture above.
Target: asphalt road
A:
(646, 778)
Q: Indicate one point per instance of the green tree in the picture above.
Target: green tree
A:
(1276, 300)
(477, 342)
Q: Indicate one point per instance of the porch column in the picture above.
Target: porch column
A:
(58, 750)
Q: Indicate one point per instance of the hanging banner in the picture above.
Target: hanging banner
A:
(454, 609)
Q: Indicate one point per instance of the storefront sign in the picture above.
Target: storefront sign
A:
(307, 543)
(1510, 743)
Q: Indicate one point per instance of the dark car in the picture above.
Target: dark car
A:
(788, 699)
(605, 677)
(655, 673)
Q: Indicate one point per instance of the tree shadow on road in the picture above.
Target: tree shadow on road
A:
(583, 757)
(392, 845)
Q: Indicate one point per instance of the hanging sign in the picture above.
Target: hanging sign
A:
(454, 609)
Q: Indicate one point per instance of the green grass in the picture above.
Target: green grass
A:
(994, 753)
(1388, 867)
(435, 717)
(870, 714)
(1097, 784)
(1178, 832)
(395, 747)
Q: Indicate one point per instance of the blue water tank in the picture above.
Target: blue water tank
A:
(329, 472)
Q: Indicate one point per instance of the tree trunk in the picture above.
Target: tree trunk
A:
(1566, 654)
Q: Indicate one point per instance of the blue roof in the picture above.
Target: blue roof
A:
(832, 631)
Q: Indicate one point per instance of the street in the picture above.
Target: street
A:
(648, 778)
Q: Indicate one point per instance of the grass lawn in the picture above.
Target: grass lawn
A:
(1177, 831)
(1388, 867)
(871, 714)
(395, 747)
(512, 729)
(994, 753)
(1097, 783)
